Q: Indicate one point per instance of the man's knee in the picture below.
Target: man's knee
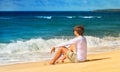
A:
(62, 47)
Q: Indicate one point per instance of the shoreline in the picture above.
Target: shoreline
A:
(91, 51)
(102, 62)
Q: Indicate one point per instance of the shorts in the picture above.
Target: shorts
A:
(72, 56)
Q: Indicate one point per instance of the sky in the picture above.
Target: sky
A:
(58, 5)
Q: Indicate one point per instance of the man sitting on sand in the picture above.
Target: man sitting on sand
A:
(77, 50)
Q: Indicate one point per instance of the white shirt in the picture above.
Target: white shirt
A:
(81, 47)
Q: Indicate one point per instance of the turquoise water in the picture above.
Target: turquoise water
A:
(15, 26)
(33, 33)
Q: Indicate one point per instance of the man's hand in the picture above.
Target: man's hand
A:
(52, 50)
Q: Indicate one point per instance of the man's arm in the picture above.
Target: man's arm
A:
(73, 41)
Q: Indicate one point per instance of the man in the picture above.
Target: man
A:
(76, 52)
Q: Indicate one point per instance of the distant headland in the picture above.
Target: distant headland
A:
(107, 10)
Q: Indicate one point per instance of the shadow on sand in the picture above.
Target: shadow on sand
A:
(89, 60)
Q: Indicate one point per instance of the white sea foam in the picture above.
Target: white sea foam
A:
(90, 17)
(43, 45)
(102, 42)
(69, 17)
(87, 16)
(44, 17)
(38, 49)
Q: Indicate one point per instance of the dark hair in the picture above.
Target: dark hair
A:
(79, 29)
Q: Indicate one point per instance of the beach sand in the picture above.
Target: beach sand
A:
(101, 62)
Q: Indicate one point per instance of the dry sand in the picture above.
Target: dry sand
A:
(102, 62)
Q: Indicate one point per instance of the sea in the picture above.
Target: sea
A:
(27, 36)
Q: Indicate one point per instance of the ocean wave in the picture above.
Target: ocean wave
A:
(44, 17)
(43, 45)
(90, 16)
(51, 17)
(68, 17)
(85, 17)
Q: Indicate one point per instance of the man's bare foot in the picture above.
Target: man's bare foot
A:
(51, 62)
(60, 61)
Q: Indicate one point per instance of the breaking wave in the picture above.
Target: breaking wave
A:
(44, 45)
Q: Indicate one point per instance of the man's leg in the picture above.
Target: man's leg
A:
(62, 51)
(63, 58)
(72, 53)
(72, 48)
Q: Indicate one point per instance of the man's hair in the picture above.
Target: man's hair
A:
(79, 29)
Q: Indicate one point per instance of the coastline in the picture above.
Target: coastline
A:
(100, 62)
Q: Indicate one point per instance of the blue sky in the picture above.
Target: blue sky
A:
(58, 5)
